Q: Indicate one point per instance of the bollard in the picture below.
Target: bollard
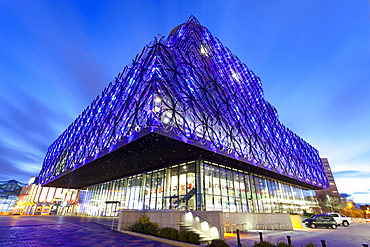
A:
(365, 245)
(261, 238)
(289, 241)
(323, 242)
(238, 237)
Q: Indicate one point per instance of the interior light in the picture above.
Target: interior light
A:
(204, 51)
(235, 76)
(157, 99)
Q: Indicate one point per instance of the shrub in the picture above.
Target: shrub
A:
(263, 244)
(169, 232)
(189, 237)
(143, 225)
(183, 236)
(283, 244)
(310, 244)
(193, 238)
(218, 243)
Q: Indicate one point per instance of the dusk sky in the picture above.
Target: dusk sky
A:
(312, 56)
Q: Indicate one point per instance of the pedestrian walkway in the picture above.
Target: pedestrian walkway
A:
(353, 236)
(72, 231)
(35, 231)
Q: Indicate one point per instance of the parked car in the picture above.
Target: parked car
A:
(340, 219)
(321, 220)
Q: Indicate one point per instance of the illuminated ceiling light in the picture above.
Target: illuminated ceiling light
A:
(165, 120)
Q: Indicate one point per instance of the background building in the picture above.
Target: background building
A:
(329, 199)
(185, 125)
(9, 191)
(332, 191)
(37, 200)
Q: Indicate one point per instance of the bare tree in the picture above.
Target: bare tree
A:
(332, 203)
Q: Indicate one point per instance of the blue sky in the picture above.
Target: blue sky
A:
(312, 56)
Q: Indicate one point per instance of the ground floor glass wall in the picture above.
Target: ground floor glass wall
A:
(196, 185)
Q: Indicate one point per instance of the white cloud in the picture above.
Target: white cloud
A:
(353, 185)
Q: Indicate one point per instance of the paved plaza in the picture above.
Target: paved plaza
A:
(35, 231)
(353, 236)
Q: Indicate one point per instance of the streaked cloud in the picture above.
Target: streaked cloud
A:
(57, 56)
(351, 174)
(361, 193)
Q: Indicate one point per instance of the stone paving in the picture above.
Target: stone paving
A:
(353, 236)
(32, 231)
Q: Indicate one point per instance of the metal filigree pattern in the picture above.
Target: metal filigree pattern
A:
(188, 83)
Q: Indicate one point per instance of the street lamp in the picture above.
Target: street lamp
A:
(350, 206)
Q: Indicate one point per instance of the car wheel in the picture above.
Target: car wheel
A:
(345, 223)
(334, 226)
(313, 226)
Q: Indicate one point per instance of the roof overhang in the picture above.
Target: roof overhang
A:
(152, 149)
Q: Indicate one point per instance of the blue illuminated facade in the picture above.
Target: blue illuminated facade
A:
(191, 88)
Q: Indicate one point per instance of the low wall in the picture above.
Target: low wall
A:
(171, 218)
(250, 220)
(215, 227)
(213, 217)
(358, 220)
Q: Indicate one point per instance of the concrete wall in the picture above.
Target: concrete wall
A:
(213, 227)
(358, 220)
(251, 220)
(213, 217)
(164, 218)
(171, 218)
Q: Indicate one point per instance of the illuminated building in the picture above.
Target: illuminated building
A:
(185, 125)
(37, 200)
(9, 191)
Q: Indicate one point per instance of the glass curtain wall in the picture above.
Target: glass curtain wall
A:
(196, 185)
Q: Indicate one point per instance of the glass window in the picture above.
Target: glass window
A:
(216, 181)
(218, 203)
(182, 180)
(223, 181)
(160, 186)
(230, 183)
(147, 192)
(208, 186)
(237, 177)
